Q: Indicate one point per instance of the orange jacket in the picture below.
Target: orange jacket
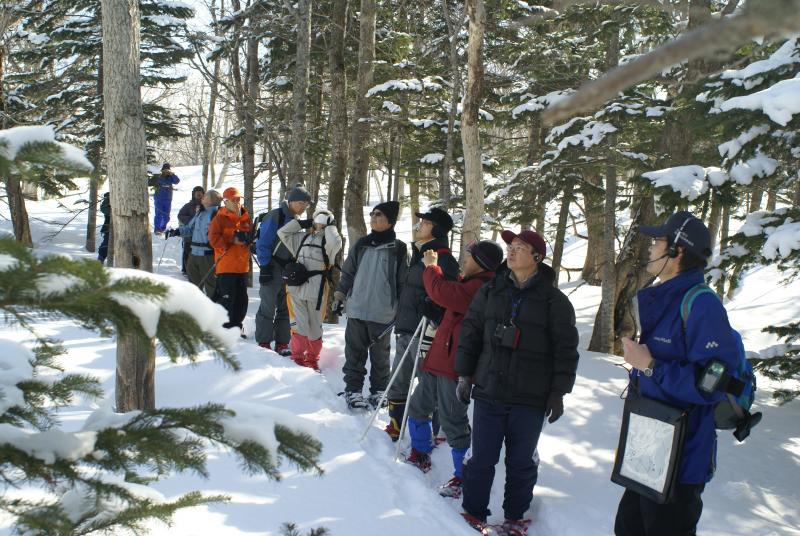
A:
(220, 235)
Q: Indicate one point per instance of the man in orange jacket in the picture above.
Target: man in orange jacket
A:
(229, 235)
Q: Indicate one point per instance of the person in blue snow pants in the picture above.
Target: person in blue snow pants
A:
(163, 197)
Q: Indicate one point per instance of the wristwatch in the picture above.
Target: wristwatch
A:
(649, 370)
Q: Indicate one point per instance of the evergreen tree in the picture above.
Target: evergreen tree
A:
(96, 479)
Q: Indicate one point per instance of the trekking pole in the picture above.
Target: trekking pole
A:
(164, 249)
(391, 381)
(211, 270)
(379, 337)
(424, 325)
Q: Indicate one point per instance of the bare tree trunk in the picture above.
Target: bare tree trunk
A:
(208, 134)
(714, 218)
(413, 194)
(606, 325)
(470, 135)
(359, 158)
(95, 180)
(297, 149)
(19, 213)
(529, 194)
(453, 21)
(561, 230)
(772, 199)
(593, 211)
(249, 147)
(755, 199)
(127, 164)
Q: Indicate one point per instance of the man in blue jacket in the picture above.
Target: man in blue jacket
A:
(200, 266)
(272, 318)
(667, 362)
(163, 197)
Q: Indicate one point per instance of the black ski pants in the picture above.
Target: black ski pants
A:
(639, 516)
(232, 289)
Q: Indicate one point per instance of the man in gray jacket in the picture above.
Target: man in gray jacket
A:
(370, 283)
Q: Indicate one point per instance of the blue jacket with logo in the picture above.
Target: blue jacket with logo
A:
(678, 355)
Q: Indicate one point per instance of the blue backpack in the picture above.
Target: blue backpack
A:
(739, 384)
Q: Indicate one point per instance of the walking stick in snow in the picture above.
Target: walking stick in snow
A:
(211, 271)
(391, 380)
(389, 328)
(164, 249)
(424, 326)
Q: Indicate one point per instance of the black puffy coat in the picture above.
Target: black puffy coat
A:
(546, 356)
(411, 305)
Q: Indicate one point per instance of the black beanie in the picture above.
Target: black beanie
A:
(298, 193)
(487, 254)
(390, 209)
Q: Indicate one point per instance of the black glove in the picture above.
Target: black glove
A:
(306, 224)
(265, 277)
(243, 236)
(169, 233)
(464, 389)
(555, 407)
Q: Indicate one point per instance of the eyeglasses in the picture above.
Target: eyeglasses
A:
(657, 239)
(518, 248)
(375, 214)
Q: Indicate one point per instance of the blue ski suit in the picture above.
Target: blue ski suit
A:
(163, 200)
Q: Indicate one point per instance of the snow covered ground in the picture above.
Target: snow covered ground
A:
(363, 491)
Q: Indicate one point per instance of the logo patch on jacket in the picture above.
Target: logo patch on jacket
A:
(662, 339)
(712, 344)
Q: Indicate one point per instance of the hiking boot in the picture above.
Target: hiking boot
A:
(355, 401)
(420, 460)
(242, 334)
(451, 488)
(265, 345)
(374, 398)
(281, 348)
(474, 522)
(392, 431)
(513, 527)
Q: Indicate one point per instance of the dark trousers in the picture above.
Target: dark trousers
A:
(232, 289)
(187, 247)
(639, 516)
(102, 251)
(357, 336)
(272, 317)
(519, 427)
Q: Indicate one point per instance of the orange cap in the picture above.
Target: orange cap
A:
(231, 193)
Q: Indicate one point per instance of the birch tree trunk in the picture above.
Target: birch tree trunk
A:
(126, 162)
(297, 149)
(359, 156)
(470, 135)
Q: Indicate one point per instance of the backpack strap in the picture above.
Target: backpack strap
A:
(690, 296)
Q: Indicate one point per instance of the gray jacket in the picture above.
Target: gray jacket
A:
(372, 277)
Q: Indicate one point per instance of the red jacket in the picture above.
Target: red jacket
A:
(230, 257)
(455, 297)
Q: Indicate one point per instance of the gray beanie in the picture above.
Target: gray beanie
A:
(298, 193)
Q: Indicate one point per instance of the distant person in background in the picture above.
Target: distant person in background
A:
(315, 248)
(200, 266)
(163, 197)
(185, 214)
(229, 235)
(105, 230)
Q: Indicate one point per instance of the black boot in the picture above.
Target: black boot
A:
(396, 410)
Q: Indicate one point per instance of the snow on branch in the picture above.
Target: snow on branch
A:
(768, 18)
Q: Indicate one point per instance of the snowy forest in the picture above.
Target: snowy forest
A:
(126, 407)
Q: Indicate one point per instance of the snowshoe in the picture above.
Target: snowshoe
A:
(474, 522)
(374, 398)
(281, 348)
(420, 460)
(510, 527)
(451, 488)
(355, 401)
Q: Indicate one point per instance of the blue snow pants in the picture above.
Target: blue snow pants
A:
(163, 205)
(492, 424)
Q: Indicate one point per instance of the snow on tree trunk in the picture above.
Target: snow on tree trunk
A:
(470, 135)
(126, 163)
(359, 157)
(297, 148)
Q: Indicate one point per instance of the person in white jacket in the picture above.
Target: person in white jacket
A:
(315, 248)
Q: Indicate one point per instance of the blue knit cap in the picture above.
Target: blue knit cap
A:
(298, 193)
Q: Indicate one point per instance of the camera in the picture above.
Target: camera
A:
(242, 236)
(507, 335)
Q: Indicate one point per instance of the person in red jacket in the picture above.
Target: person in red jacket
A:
(229, 235)
(438, 380)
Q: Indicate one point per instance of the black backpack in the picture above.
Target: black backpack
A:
(256, 230)
(152, 181)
